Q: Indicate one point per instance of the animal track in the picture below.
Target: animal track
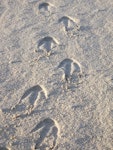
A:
(45, 7)
(68, 23)
(70, 67)
(47, 44)
(48, 134)
(34, 94)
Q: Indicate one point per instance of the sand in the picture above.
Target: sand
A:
(56, 75)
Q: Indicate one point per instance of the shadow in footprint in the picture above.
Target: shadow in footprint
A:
(33, 92)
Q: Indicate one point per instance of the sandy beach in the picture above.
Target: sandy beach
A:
(56, 75)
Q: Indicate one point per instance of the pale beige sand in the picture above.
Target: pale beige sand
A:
(56, 74)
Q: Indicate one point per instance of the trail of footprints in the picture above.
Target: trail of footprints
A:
(48, 129)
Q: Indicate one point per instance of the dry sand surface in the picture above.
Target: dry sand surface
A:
(56, 75)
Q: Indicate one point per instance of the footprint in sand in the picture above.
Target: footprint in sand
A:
(69, 24)
(45, 7)
(33, 94)
(47, 44)
(70, 68)
(48, 134)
